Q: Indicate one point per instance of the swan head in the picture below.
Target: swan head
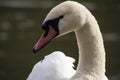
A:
(65, 17)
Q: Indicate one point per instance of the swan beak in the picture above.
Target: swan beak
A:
(45, 38)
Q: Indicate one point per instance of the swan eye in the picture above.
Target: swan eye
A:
(53, 23)
(62, 16)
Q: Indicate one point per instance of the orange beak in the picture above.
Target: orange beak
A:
(44, 39)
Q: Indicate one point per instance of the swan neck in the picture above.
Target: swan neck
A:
(91, 49)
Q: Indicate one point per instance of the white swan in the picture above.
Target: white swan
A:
(72, 16)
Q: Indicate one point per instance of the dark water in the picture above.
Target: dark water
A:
(20, 28)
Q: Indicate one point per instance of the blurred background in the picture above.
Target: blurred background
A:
(20, 28)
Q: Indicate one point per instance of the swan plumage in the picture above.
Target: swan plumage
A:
(55, 66)
(72, 16)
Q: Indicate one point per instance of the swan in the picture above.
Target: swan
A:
(72, 16)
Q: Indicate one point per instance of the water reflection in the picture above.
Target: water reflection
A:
(26, 24)
(111, 37)
(4, 36)
(20, 28)
(5, 25)
(29, 4)
(20, 16)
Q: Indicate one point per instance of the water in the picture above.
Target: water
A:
(20, 29)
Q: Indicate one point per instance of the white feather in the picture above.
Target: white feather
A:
(55, 66)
